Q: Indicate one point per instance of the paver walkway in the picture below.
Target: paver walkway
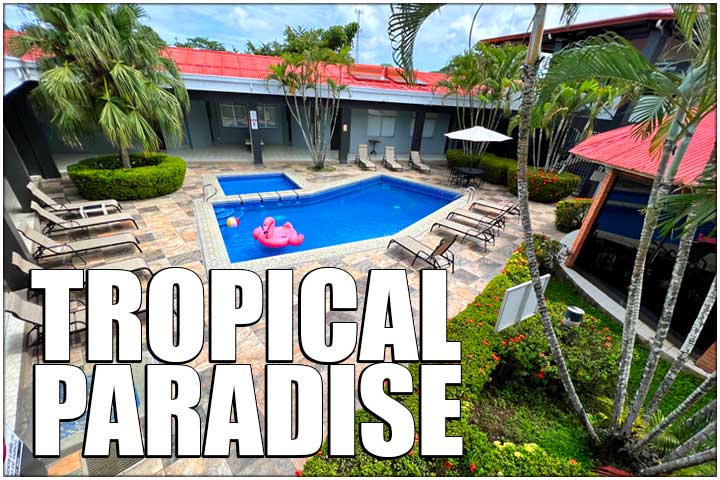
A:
(169, 238)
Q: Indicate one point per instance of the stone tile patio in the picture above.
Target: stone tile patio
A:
(168, 235)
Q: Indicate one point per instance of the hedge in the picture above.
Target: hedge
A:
(569, 214)
(545, 187)
(486, 353)
(496, 168)
(152, 175)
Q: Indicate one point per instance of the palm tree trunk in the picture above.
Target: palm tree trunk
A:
(125, 158)
(530, 69)
(659, 189)
(681, 261)
(689, 461)
(685, 350)
(693, 442)
(708, 412)
(680, 410)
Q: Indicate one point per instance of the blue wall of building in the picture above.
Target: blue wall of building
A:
(402, 135)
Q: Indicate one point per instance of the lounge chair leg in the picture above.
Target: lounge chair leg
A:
(138, 247)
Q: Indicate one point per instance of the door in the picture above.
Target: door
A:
(199, 124)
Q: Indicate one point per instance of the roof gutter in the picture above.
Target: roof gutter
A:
(18, 71)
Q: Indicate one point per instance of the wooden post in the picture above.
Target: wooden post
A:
(598, 201)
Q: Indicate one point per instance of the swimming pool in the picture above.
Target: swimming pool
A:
(256, 183)
(362, 210)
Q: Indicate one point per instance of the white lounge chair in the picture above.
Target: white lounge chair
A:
(75, 208)
(390, 161)
(363, 159)
(47, 247)
(54, 223)
(417, 163)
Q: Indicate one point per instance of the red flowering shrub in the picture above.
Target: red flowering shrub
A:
(569, 214)
(545, 186)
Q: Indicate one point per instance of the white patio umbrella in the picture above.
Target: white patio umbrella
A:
(478, 134)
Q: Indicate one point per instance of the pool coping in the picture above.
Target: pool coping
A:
(212, 179)
(215, 255)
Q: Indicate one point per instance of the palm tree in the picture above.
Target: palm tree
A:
(674, 104)
(311, 83)
(404, 23)
(100, 66)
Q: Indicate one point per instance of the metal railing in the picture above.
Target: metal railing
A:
(206, 188)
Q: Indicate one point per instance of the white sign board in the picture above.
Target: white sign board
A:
(253, 119)
(519, 303)
(12, 453)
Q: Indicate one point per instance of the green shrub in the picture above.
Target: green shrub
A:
(527, 460)
(548, 253)
(591, 354)
(569, 214)
(152, 175)
(545, 187)
(458, 158)
(496, 168)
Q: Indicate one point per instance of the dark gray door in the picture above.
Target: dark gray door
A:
(199, 124)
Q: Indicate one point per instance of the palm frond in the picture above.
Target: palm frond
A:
(403, 26)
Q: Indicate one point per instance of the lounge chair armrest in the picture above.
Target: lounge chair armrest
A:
(70, 223)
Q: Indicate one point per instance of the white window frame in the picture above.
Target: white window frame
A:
(262, 119)
(237, 109)
(429, 126)
(387, 118)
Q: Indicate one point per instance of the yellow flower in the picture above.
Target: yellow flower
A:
(530, 447)
(509, 444)
(518, 455)
(500, 474)
(497, 443)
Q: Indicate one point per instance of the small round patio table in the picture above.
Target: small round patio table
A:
(374, 143)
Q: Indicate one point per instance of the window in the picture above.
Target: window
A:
(381, 123)
(428, 126)
(234, 115)
(267, 116)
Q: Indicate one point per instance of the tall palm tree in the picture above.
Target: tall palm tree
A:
(404, 23)
(674, 104)
(100, 66)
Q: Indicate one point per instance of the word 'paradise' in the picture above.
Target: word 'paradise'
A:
(294, 399)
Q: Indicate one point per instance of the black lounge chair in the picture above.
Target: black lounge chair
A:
(483, 233)
(509, 207)
(439, 257)
(495, 221)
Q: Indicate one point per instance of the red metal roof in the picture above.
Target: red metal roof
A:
(618, 149)
(664, 14)
(242, 65)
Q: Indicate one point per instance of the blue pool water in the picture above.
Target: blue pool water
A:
(368, 209)
(270, 182)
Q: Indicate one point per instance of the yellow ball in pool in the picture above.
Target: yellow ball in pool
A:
(232, 222)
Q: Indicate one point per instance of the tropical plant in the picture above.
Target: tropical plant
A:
(201, 43)
(673, 105)
(100, 66)
(483, 81)
(311, 83)
(404, 23)
(299, 40)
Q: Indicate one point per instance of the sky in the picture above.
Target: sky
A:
(443, 35)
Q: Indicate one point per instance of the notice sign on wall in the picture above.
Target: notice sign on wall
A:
(253, 119)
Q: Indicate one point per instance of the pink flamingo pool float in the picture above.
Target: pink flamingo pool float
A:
(273, 236)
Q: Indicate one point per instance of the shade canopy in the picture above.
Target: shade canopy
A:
(478, 134)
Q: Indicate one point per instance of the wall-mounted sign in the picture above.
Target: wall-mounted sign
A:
(253, 119)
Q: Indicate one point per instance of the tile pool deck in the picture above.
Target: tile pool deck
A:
(169, 237)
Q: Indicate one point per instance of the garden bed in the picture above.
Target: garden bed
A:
(515, 416)
(152, 175)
